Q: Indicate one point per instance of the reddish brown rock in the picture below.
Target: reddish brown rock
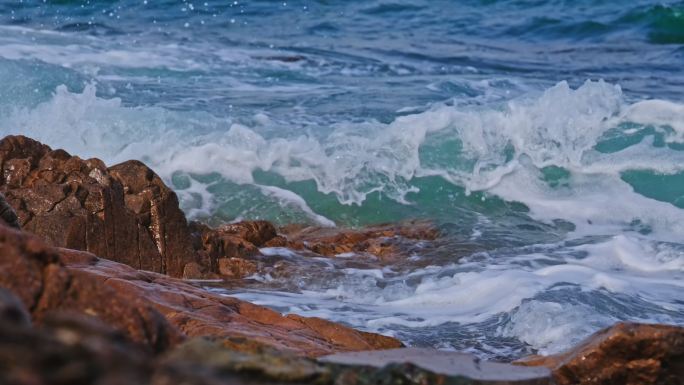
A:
(36, 274)
(218, 243)
(155, 310)
(387, 242)
(624, 354)
(236, 268)
(69, 350)
(238, 324)
(123, 213)
(338, 334)
(157, 215)
(80, 350)
(256, 232)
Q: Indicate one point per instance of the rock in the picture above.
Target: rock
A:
(230, 242)
(98, 321)
(390, 242)
(237, 324)
(368, 368)
(36, 274)
(255, 232)
(69, 350)
(625, 354)
(158, 214)
(193, 270)
(229, 365)
(80, 350)
(123, 213)
(157, 311)
(12, 310)
(448, 364)
(236, 268)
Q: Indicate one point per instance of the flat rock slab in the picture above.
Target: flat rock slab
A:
(451, 364)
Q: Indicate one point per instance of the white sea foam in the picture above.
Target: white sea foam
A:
(660, 113)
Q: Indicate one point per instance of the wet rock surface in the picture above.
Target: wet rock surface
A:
(80, 350)
(157, 311)
(626, 354)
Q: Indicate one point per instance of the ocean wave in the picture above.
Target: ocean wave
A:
(501, 148)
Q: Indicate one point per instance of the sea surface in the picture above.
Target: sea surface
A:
(544, 137)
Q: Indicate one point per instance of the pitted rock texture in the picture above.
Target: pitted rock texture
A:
(624, 354)
(123, 213)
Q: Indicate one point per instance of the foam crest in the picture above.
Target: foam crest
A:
(660, 113)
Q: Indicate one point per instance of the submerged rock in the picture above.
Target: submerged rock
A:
(389, 242)
(625, 354)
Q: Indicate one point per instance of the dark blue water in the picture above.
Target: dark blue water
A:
(549, 134)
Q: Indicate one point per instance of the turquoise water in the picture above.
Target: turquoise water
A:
(548, 136)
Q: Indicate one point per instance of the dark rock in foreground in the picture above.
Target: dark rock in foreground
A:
(68, 349)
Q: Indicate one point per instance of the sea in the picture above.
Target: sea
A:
(545, 139)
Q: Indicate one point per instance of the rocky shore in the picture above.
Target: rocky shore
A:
(97, 286)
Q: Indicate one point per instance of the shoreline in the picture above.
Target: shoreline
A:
(100, 219)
